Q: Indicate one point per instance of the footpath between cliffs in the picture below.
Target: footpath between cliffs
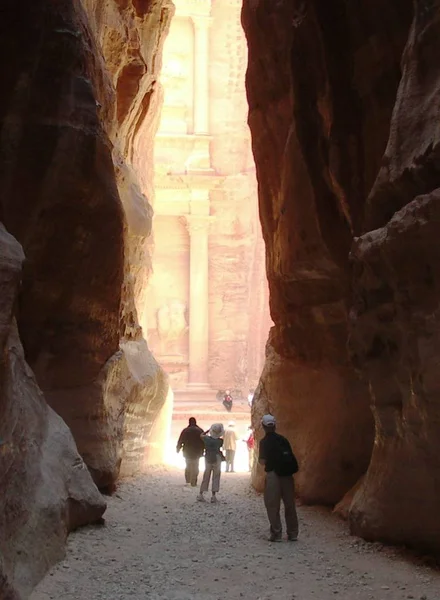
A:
(158, 543)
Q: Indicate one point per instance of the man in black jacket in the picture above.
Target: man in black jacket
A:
(193, 448)
(280, 464)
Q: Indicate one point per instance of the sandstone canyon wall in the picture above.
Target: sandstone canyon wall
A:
(46, 488)
(395, 316)
(321, 83)
(74, 117)
(76, 111)
(350, 225)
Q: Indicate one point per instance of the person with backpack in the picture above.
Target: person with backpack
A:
(213, 460)
(280, 464)
(193, 449)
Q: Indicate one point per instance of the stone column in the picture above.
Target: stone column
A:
(201, 74)
(198, 228)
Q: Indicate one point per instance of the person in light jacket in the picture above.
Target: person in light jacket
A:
(212, 440)
(230, 446)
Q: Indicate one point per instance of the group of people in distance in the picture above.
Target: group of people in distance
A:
(275, 455)
(197, 443)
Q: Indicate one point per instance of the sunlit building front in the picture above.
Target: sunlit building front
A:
(208, 316)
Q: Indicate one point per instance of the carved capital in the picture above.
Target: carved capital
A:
(201, 22)
(197, 223)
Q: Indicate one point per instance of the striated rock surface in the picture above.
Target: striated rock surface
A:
(313, 410)
(74, 117)
(321, 109)
(396, 339)
(395, 322)
(321, 84)
(46, 488)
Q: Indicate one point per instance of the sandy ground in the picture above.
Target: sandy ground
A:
(159, 543)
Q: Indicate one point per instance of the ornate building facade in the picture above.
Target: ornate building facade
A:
(208, 316)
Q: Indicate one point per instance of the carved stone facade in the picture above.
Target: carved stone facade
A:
(208, 315)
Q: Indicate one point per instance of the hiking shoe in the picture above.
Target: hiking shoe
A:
(201, 498)
(214, 499)
(292, 538)
(274, 538)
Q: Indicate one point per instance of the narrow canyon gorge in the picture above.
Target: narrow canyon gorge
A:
(343, 101)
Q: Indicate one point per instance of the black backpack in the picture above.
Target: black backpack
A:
(285, 463)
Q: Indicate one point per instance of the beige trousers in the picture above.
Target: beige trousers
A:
(277, 489)
(215, 469)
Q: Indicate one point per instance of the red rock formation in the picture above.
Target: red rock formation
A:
(321, 83)
(76, 92)
(46, 488)
(395, 324)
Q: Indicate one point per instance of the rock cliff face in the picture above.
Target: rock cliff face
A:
(73, 117)
(395, 322)
(46, 488)
(77, 117)
(321, 84)
(77, 114)
(324, 97)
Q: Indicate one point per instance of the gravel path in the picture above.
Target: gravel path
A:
(160, 544)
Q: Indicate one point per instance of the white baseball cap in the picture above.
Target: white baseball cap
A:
(268, 421)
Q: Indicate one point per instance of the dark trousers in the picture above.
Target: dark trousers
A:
(230, 456)
(192, 470)
(279, 489)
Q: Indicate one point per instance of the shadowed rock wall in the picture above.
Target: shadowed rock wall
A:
(78, 88)
(395, 322)
(76, 114)
(324, 96)
(321, 83)
(46, 488)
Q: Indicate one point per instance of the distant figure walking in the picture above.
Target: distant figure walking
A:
(193, 448)
(227, 401)
(230, 446)
(280, 464)
(250, 444)
(213, 460)
(250, 397)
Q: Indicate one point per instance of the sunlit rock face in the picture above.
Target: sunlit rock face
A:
(46, 488)
(395, 325)
(74, 114)
(321, 83)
